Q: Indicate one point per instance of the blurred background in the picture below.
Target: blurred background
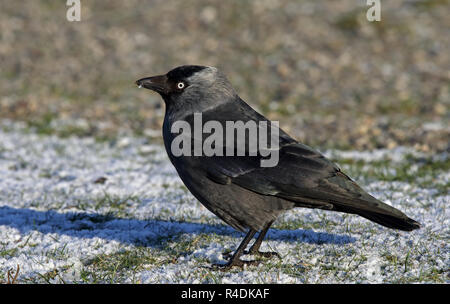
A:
(332, 78)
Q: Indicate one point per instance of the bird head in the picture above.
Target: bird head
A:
(198, 86)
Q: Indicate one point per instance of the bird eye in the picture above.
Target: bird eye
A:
(180, 85)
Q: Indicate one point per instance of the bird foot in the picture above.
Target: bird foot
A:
(264, 254)
(267, 254)
(234, 263)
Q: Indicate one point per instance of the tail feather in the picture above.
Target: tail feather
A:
(402, 223)
(379, 212)
(365, 205)
(351, 198)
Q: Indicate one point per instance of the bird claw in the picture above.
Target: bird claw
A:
(264, 254)
(236, 263)
(267, 254)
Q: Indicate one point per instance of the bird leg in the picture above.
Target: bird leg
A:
(255, 247)
(235, 259)
(254, 250)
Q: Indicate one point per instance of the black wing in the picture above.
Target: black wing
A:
(302, 175)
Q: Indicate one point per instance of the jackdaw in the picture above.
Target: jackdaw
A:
(237, 188)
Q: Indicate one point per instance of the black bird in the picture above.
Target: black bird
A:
(238, 189)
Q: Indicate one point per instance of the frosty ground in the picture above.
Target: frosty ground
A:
(80, 210)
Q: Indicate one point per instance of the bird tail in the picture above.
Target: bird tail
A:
(379, 212)
(369, 208)
(391, 221)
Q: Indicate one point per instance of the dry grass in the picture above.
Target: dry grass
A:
(335, 79)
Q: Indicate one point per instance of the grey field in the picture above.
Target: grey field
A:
(60, 223)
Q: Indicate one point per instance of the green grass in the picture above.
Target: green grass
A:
(419, 171)
(328, 261)
(113, 268)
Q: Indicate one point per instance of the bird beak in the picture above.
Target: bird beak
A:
(155, 83)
